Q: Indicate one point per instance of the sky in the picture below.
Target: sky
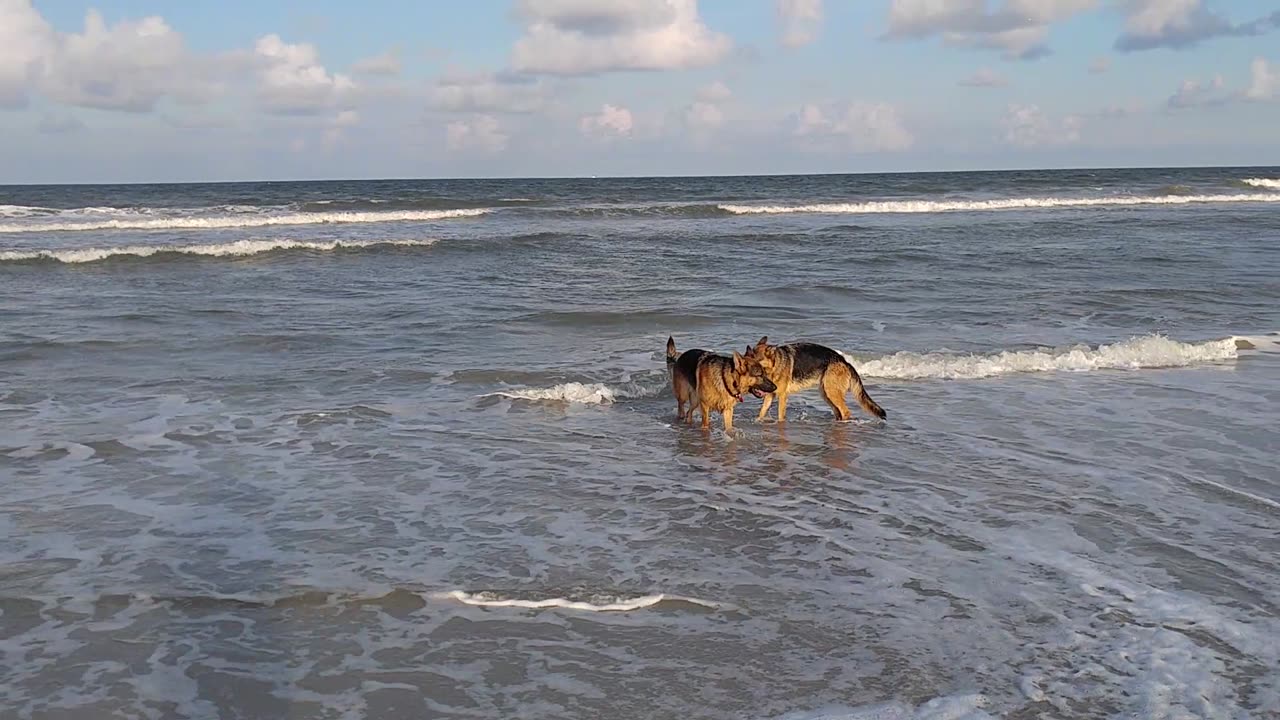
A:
(158, 91)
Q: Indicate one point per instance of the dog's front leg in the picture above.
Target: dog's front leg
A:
(764, 407)
(728, 419)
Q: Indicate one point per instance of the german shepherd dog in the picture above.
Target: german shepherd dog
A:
(713, 383)
(800, 366)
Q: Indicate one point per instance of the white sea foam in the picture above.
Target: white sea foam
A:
(238, 248)
(1268, 183)
(1244, 494)
(20, 211)
(615, 604)
(956, 707)
(934, 206)
(572, 392)
(1153, 351)
(241, 220)
(588, 393)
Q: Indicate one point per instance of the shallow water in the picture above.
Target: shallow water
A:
(406, 449)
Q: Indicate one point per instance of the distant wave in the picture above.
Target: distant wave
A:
(691, 210)
(1152, 351)
(239, 248)
(420, 203)
(241, 221)
(21, 211)
(1268, 183)
(935, 206)
(594, 604)
(26, 211)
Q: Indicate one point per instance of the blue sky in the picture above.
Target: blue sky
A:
(145, 90)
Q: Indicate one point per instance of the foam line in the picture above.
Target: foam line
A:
(1268, 502)
(239, 248)
(1268, 183)
(1151, 351)
(936, 206)
(242, 221)
(490, 600)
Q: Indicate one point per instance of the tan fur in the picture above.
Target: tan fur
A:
(836, 378)
(716, 384)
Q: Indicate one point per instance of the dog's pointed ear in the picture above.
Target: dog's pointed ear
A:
(763, 341)
(738, 361)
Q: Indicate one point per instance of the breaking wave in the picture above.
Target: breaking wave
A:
(1268, 183)
(643, 385)
(1148, 352)
(1153, 351)
(240, 248)
(935, 206)
(595, 603)
(241, 221)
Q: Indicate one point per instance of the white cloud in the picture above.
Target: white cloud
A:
(1264, 81)
(715, 92)
(611, 121)
(707, 112)
(340, 122)
(800, 19)
(861, 127)
(387, 64)
(26, 42)
(129, 66)
(1029, 126)
(1181, 24)
(1018, 27)
(985, 78)
(291, 80)
(1193, 93)
(704, 116)
(584, 37)
(488, 93)
(482, 133)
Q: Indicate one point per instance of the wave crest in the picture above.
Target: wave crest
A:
(596, 603)
(936, 206)
(1268, 183)
(240, 248)
(642, 385)
(1152, 351)
(243, 221)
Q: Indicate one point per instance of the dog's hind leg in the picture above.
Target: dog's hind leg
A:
(834, 384)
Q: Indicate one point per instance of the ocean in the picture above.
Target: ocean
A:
(393, 449)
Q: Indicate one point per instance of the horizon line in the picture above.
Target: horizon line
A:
(644, 177)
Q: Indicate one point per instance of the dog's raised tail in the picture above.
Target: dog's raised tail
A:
(671, 351)
(860, 394)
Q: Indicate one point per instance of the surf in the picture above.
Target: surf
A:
(1150, 352)
(1026, 203)
(239, 248)
(243, 221)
